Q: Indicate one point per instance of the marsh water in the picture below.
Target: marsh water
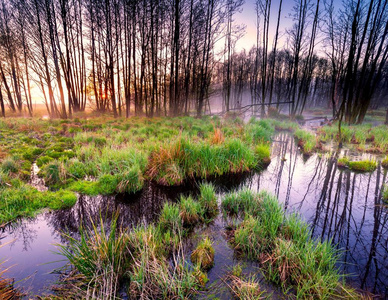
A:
(340, 205)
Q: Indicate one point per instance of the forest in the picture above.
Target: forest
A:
(168, 58)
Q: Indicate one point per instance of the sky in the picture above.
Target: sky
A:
(248, 17)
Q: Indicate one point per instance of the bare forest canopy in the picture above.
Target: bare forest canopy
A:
(157, 57)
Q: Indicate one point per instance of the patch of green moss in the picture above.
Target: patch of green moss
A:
(26, 201)
(90, 188)
(43, 160)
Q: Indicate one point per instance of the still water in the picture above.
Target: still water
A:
(343, 206)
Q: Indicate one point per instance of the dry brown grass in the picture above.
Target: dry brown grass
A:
(245, 289)
(218, 137)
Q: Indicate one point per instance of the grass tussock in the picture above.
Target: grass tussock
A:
(172, 164)
(149, 258)
(358, 166)
(208, 201)
(284, 247)
(243, 288)
(306, 141)
(385, 194)
(152, 276)
(203, 255)
(190, 211)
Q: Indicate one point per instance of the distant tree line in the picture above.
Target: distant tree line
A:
(167, 57)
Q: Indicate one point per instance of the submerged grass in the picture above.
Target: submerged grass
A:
(284, 247)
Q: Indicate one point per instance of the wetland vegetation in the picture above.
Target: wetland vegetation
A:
(170, 255)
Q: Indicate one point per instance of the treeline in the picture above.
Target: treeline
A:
(332, 57)
(159, 57)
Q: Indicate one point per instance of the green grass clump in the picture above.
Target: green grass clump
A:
(242, 202)
(343, 162)
(4, 180)
(208, 201)
(107, 184)
(359, 166)
(203, 255)
(90, 188)
(172, 164)
(370, 139)
(363, 166)
(151, 274)
(258, 131)
(170, 218)
(190, 211)
(306, 141)
(130, 180)
(288, 254)
(26, 201)
(263, 153)
(42, 160)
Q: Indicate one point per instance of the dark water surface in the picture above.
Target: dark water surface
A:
(339, 205)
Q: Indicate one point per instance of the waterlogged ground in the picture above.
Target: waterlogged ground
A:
(338, 204)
